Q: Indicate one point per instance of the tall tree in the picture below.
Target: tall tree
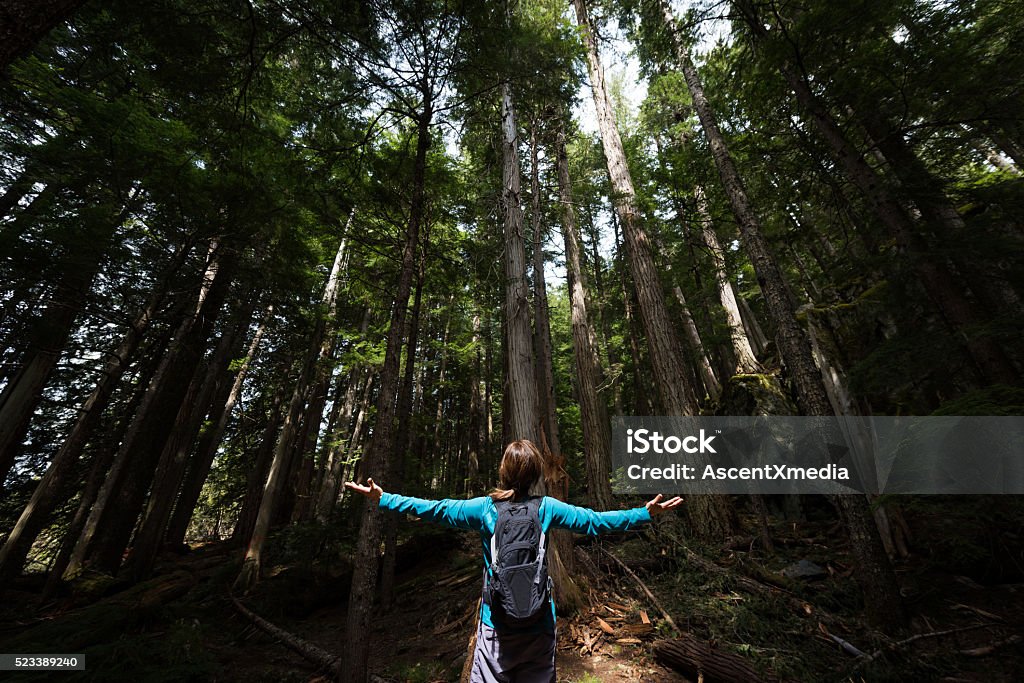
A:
(877, 580)
(522, 407)
(677, 396)
(938, 282)
(542, 323)
(593, 412)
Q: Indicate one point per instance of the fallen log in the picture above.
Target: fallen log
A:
(892, 647)
(699, 660)
(105, 620)
(314, 654)
(645, 589)
(755, 587)
(467, 664)
(989, 649)
(643, 564)
(323, 659)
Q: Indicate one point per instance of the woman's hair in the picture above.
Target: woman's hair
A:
(521, 472)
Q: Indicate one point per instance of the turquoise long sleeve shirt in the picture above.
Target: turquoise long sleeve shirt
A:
(480, 515)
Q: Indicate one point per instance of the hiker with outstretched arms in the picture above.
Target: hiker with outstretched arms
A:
(516, 633)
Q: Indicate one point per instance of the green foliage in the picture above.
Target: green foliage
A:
(419, 672)
(995, 400)
(586, 678)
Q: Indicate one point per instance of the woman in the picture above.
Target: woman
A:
(505, 654)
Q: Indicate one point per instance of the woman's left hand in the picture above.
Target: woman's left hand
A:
(656, 506)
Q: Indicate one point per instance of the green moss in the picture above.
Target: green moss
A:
(754, 394)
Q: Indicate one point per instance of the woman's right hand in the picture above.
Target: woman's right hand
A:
(656, 506)
(371, 490)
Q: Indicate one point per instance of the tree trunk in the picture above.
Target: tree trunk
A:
(603, 322)
(642, 398)
(54, 483)
(938, 211)
(881, 591)
(120, 502)
(792, 342)
(367, 555)
(593, 411)
(321, 380)
(206, 450)
(403, 439)
(702, 661)
(707, 374)
(277, 478)
(677, 396)
(522, 405)
(542, 324)
(337, 440)
(49, 335)
(170, 470)
(358, 429)
(492, 456)
(477, 437)
(936, 279)
(746, 360)
(100, 466)
(259, 470)
(757, 337)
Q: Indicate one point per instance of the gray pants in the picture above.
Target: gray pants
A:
(513, 657)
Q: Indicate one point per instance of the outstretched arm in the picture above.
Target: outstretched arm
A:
(586, 521)
(461, 514)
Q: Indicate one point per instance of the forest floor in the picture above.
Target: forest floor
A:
(181, 625)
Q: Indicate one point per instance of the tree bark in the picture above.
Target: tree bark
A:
(206, 450)
(522, 405)
(120, 501)
(542, 323)
(746, 359)
(877, 580)
(702, 661)
(367, 555)
(55, 481)
(677, 396)
(593, 411)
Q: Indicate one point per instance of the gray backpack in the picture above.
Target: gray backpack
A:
(518, 588)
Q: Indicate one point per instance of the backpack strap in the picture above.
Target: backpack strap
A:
(499, 506)
(534, 504)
